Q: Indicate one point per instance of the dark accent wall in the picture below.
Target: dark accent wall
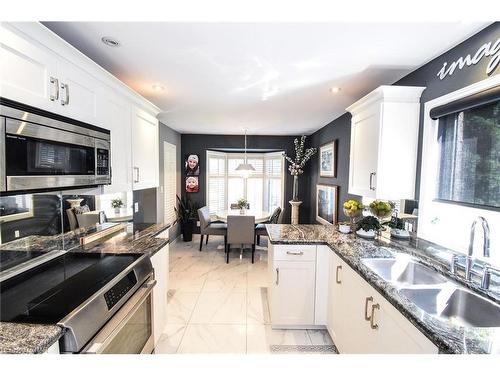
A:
(427, 76)
(424, 76)
(200, 143)
(340, 130)
(171, 136)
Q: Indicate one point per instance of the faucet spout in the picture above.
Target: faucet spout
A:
(486, 244)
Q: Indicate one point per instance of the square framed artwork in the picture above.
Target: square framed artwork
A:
(192, 184)
(328, 159)
(327, 201)
(192, 165)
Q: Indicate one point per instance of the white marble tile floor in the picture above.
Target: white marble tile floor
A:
(214, 307)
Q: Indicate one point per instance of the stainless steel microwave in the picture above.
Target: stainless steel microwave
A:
(41, 151)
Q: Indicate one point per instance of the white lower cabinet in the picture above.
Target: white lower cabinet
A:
(53, 349)
(361, 321)
(293, 293)
(292, 277)
(160, 266)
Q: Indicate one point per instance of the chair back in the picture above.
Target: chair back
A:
(204, 216)
(241, 229)
(275, 216)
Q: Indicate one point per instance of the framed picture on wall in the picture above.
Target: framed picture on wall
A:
(192, 165)
(192, 185)
(327, 198)
(328, 159)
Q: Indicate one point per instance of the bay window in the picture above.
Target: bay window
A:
(263, 188)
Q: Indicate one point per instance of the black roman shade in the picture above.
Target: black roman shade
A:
(477, 100)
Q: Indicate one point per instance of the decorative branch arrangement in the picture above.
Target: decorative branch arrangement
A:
(302, 156)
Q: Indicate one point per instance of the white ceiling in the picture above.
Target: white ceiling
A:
(272, 78)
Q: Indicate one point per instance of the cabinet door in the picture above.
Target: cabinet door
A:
(28, 71)
(118, 121)
(160, 266)
(144, 150)
(352, 328)
(293, 293)
(334, 324)
(364, 151)
(79, 94)
(394, 334)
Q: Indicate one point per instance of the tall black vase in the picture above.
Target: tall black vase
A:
(187, 228)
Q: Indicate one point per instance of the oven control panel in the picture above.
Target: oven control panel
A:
(121, 288)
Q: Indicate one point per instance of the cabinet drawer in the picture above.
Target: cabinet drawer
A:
(295, 252)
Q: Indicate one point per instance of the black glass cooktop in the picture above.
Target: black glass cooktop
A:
(12, 258)
(49, 292)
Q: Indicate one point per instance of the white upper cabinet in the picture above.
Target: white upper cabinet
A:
(41, 70)
(145, 154)
(384, 141)
(28, 71)
(79, 94)
(118, 119)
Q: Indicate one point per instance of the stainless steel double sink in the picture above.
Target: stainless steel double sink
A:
(434, 293)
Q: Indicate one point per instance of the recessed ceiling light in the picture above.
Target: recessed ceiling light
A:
(110, 41)
(158, 87)
(335, 90)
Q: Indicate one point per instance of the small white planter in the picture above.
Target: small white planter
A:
(366, 234)
(345, 228)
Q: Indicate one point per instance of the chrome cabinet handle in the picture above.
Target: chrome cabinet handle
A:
(295, 253)
(337, 279)
(277, 276)
(372, 174)
(367, 300)
(55, 83)
(65, 87)
(374, 325)
(136, 169)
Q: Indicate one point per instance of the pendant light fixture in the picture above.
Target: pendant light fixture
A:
(245, 169)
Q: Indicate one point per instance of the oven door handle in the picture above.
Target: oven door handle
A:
(114, 326)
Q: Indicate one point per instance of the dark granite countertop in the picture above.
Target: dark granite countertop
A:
(37, 338)
(448, 336)
(23, 338)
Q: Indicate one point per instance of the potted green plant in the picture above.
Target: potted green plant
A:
(117, 203)
(242, 205)
(187, 212)
(368, 227)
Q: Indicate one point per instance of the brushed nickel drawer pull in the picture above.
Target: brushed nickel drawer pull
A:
(374, 325)
(55, 83)
(295, 253)
(277, 276)
(368, 299)
(337, 279)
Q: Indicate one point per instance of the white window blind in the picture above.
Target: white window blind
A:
(263, 188)
(216, 181)
(170, 181)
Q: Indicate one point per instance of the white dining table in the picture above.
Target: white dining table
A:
(260, 216)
